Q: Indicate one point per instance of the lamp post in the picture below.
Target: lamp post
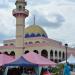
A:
(66, 46)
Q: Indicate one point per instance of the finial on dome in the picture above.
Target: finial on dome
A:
(34, 20)
(20, 0)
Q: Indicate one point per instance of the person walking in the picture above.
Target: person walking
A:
(67, 69)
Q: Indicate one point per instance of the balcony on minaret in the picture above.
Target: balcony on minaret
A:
(23, 12)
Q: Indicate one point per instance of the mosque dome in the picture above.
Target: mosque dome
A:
(35, 31)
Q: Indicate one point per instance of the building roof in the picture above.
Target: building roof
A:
(35, 31)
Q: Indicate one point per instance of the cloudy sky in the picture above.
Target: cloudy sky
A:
(57, 17)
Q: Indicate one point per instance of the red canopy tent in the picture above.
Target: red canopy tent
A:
(4, 59)
(38, 59)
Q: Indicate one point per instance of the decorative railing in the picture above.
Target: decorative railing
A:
(25, 11)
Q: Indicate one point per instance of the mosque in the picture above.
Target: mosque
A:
(32, 38)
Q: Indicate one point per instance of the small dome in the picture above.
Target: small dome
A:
(34, 31)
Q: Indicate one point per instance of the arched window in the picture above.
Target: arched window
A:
(33, 35)
(55, 53)
(38, 35)
(27, 35)
(26, 52)
(12, 53)
(6, 53)
(59, 60)
(56, 61)
(51, 59)
(51, 53)
(43, 35)
(30, 42)
(5, 44)
(20, 7)
(36, 51)
(59, 53)
(37, 42)
(44, 53)
(43, 42)
(11, 44)
(63, 55)
(23, 8)
(26, 43)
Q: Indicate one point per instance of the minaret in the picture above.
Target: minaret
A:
(20, 13)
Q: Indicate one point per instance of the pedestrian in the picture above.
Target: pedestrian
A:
(67, 69)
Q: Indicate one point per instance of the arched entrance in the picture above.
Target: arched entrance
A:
(12, 53)
(0, 52)
(55, 53)
(56, 60)
(60, 54)
(44, 53)
(6, 53)
(63, 56)
(36, 51)
(26, 52)
(51, 55)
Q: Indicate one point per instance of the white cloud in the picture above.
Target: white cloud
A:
(7, 23)
(4, 3)
(67, 10)
(42, 20)
(48, 8)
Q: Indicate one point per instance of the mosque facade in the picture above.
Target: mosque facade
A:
(32, 38)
